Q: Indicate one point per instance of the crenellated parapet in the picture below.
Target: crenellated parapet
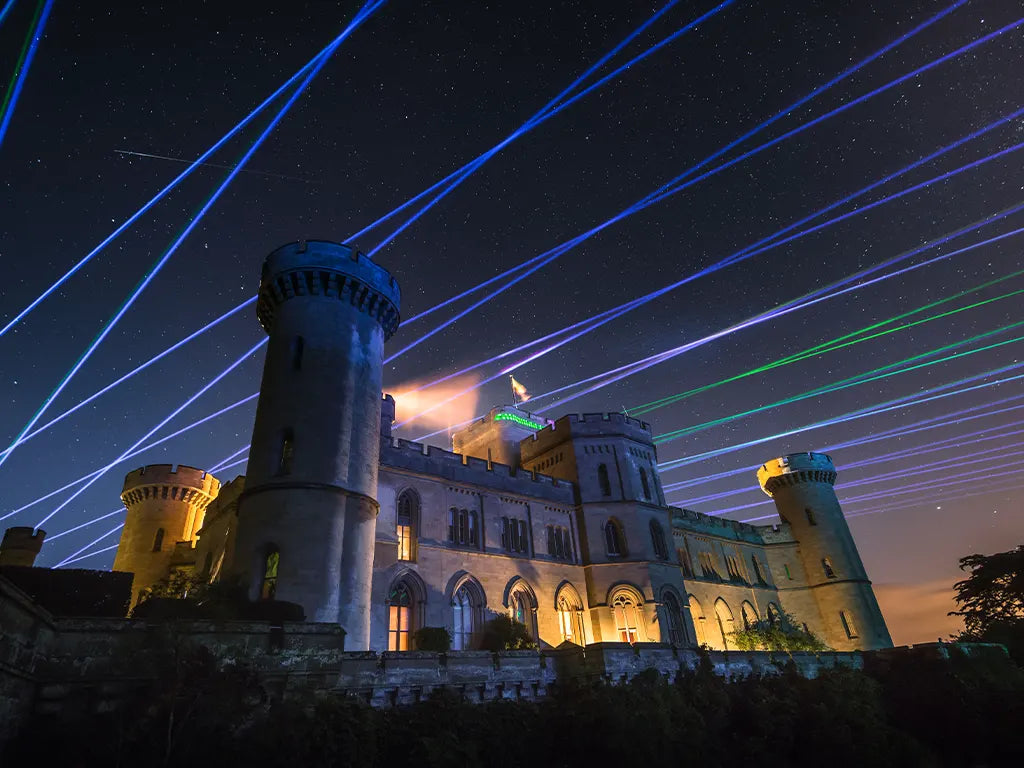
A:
(688, 521)
(431, 460)
(330, 270)
(794, 469)
(170, 482)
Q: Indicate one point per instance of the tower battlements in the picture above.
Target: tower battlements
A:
(575, 425)
(331, 270)
(176, 482)
(796, 468)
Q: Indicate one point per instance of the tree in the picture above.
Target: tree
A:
(991, 600)
(778, 633)
(503, 633)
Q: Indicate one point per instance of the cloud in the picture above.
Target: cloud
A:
(916, 613)
(438, 407)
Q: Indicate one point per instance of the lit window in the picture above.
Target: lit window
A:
(848, 625)
(626, 621)
(399, 615)
(749, 615)
(465, 607)
(405, 525)
(568, 621)
(269, 589)
(826, 565)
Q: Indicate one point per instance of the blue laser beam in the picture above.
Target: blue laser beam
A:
(22, 75)
(176, 181)
(92, 543)
(5, 10)
(203, 390)
(99, 393)
(538, 262)
(354, 24)
(90, 554)
(120, 510)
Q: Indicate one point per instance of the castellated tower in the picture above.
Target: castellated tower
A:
(166, 505)
(801, 486)
(307, 517)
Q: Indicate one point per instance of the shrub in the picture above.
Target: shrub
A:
(503, 633)
(432, 639)
(782, 633)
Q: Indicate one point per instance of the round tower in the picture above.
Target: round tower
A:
(307, 517)
(20, 546)
(166, 505)
(801, 485)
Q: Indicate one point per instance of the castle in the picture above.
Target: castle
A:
(562, 525)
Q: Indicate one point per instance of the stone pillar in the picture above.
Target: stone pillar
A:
(311, 485)
(166, 505)
(21, 545)
(801, 485)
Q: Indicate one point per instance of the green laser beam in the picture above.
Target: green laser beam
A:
(855, 380)
(841, 342)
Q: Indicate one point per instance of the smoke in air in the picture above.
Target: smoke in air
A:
(410, 402)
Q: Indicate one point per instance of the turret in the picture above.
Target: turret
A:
(166, 505)
(801, 485)
(21, 545)
(307, 517)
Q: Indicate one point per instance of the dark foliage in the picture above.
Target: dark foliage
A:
(991, 600)
(503, 633)
(74, 591)
(184, 597)
(432, 639)
(905, 709)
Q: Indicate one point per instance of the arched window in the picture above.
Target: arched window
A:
(613, 539)
(810, 516)
(658, 540)
(399, 617)
(570, 615)
(284, 464)
(772, 612)
(158, 540)
(406, 521)
(627, 619)
(723, 614)
(603, 480)
(268, 590)
(826, 565)
(697, 614)
(644, 484)
(462, 527)
(749, 615)
(676, 626)
(523, 608)
(467, 614)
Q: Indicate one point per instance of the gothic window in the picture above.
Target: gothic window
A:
(522, 609)
(570, 613)
(810, 516)
(406, 521)
(707, 566)
(559, 542)
(826, 565)
(284, 465)
(732, 565)
(723, 614)
(658, 540)
(513, 535)
(697, 614)
(749, 615)
(613, 539)
(848, 625)
(676, 627)
(462, 527)
(773, 613)
(758, 571)
(399, 617)
(645, 484)
(158, 540)
(603, 480)
(626, 618)
(297, 347)
(268, 590)
(466, 607)
(684, 561)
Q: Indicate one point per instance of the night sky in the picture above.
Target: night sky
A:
(421, 89)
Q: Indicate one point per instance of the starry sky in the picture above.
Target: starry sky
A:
(421, 89)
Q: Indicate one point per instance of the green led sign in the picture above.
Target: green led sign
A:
(518, 420)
